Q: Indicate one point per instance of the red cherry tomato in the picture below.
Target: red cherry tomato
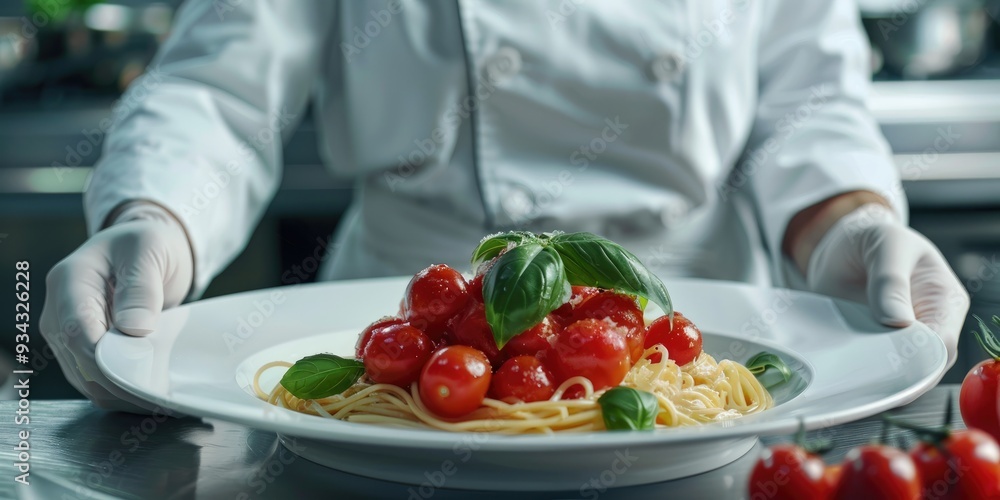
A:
(366, 334)
(454, 381)
(433, 296)
(683, 341)
(578, 296)
(787, 472)
(522, 378)
(877, 471)
(590, 348)
(475, 287)
(621, 309)
(978, 398)
(534, 341)
(971, 469)
(396, 354)
(470, 328)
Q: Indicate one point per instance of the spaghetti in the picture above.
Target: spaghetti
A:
(702, 391)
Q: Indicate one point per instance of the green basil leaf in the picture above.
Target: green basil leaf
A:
(321, 376)
(526, 284)
(594, 261)
(625, 408)
(769, 369)
(492, 245)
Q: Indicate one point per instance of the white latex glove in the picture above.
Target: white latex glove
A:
(869, 256)
(123, 275)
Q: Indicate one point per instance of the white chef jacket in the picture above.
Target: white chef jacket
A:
(690, 131)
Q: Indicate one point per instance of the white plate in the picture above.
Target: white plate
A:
(202, 358)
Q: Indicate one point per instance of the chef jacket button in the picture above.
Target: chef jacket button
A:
(506, 62)
(518, 203)
(666, 67)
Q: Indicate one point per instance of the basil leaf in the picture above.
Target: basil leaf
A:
(625, 408)
(769, 369)
(492, 245)
(321, 376)
(526, 284)
(594, 261)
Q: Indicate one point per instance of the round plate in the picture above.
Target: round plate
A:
(202, 358)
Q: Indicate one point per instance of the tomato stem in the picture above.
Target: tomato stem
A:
(935, 437)
(987, 340)
(815, 446)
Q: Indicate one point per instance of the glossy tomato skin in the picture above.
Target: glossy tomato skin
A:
(366, 334)
(787, 472)
(978, 398)
(590, 348)
(971, 469)
(533, 342)
(578, 295)
(522, 378)
(683, 341)
(434, 296)
(475, 287)
(877, 471)
(470, 328)
(396, 354)
(455, 381)
(622, 310)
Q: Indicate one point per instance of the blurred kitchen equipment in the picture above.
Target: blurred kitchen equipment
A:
(52, 52)
(920, 39)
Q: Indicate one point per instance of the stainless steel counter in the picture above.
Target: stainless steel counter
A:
(80, 452)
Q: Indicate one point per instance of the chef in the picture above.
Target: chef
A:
(724, 139)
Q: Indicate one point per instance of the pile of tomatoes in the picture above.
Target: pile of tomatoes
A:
(961, 465)
(442, 342)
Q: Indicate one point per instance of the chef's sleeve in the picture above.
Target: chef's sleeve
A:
(813, 136)
(200, 133)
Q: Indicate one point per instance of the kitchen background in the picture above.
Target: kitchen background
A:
(63, 64)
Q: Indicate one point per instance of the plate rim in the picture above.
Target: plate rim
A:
(439, 439)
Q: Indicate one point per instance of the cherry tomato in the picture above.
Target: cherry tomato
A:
(787, 472)
(522, 378)
(470, 328)
(575, 392)
(978, 398)
(683, 341)
(433, 296)
(475, 287)
(455, 380)
(396, 353)
(533, 342)
(578, 296)
(366, 334)
(877, 471)
(621, 309)
(590, 348)
(969, 469)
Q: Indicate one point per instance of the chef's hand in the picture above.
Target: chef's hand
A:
(123, 275)
(868, 255)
